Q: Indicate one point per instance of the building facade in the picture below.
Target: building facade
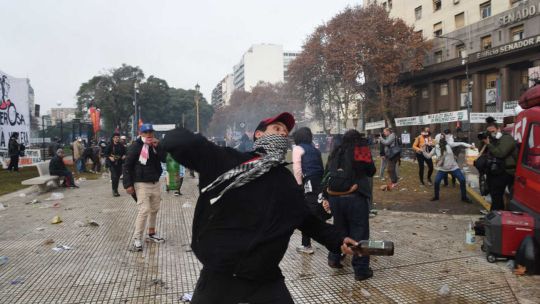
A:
(488, 59)
(64, 114)
(262, 62)
(221, 95)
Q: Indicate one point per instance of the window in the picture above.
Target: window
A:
(516, 33)
(389, 4)
(418, 13)
(531, 157)
(485, 9)
(459, 20)
(491, 80)
(424, 93)
(459, 50)
(436, 5)
(444, 89)
(486, 42)
(491, 89)
(514, 3)
(437, 29)
(384, 5)
(438, 56)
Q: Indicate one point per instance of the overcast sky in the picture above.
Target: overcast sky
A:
(61, 44)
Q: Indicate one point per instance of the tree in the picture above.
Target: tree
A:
(113, 92)
(360, 54)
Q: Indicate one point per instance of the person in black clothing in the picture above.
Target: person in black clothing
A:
(142, 170)
(351, 209)
(308, 171)
(14, 151)
(248, 208)
(115, 154)
(57, 167)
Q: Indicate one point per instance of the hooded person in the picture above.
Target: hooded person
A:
(248, 208)
(14, 151)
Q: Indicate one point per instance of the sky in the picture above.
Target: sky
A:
(60, 44)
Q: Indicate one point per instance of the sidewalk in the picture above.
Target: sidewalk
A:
(430, 252)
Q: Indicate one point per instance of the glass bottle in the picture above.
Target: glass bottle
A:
(365, 248)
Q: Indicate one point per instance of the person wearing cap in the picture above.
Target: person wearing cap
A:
(57, 167)
(248, 208)
(142, 170)
(115, 154)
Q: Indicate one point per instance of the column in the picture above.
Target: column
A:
(477, 101)
(432, 101)
(453, 98)
(504, 74)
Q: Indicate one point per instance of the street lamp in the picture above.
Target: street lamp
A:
(197, 88)
(465, 62)
(136, 107)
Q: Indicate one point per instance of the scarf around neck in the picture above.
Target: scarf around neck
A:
(145, 154)
(275, 150)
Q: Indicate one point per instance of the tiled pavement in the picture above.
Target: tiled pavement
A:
(430, 252)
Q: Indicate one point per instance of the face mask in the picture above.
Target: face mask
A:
(498, 135)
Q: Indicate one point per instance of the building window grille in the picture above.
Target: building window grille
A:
(437, 29)
(418, 13)
(516, 33)
(459, 20)
(437, 5)
(485, 9)
(438, 56)
(486, 42)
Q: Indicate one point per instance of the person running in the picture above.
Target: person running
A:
(308, 171)
(424, 142)
(248, 208)
(351, 209)
(446, 164)
(115, 154)
(142, 170)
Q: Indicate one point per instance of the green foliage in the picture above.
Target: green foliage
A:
(113, 92)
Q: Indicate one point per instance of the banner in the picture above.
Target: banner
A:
(14, 109)
(95, 117)
(375, 125)
(534, 74)
(509, 108)
(481, 117)
(162, 128)
(437, 118)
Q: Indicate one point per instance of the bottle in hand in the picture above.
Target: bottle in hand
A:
(365, 248)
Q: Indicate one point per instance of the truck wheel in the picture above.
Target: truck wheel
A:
(491, 258)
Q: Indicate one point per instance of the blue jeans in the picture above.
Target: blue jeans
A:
(458, 175)
(351, 216)
(80, 165)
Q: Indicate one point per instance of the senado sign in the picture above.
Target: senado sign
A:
(533, 41)
(518, 14)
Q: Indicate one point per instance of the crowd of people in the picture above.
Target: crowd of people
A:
(250, 203)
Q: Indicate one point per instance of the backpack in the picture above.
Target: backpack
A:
(340, 172)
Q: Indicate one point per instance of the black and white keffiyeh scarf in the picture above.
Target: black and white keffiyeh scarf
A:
(275, 150)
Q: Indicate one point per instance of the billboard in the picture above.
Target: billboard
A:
(14, 109)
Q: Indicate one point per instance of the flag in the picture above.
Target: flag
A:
(95, 117)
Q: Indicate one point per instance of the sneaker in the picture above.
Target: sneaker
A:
(305, 249)
(466, 200)
(137, 245)
(177, 193)
(430, 183)
(364, 276)
(434, 199)
(155, 238)
(116, 194)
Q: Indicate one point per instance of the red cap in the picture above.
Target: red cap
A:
(286, 118)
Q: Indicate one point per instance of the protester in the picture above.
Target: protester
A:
(502, 159)
(351, 208)
(248, 208)
(446, 163)
(245, 144)
(424, 142)
(78, 150)
(14, 151)
(57, 167)
(142, 170)
(115, 154)
(390, 142)
(308, 171)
